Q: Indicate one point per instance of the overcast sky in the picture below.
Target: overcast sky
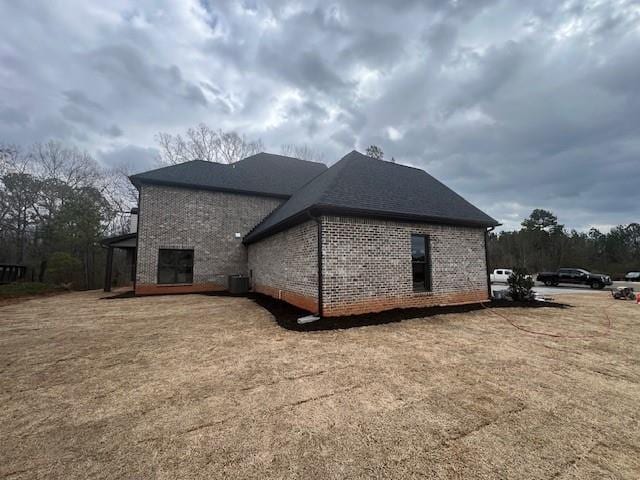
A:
(514, 106)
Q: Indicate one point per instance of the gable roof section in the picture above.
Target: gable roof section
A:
(260, 174)
(124, 240)
(362, 186)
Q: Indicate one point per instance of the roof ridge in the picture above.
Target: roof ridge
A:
(447, 187)
(173, 165)
(255, 227)
(268, 174)
(421, 170)
(339, 166)
(281, 156)
(283, 204)
(332, 170)
(228, 165)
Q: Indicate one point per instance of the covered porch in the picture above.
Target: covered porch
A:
(12, 272)
(128, 244)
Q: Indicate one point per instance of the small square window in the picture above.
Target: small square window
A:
(175, 266)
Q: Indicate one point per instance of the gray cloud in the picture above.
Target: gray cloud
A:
(13, 116)
(515, 105)
(79, 99)
(374, 49)
(130, 157)
(114, 131)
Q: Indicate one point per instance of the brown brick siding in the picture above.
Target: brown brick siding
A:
(302, 301)
(201, 220)
(366, 262)
(288, 262)
(367, 265)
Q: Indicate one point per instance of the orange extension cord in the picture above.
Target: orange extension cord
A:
(554, 335)
(607, 331)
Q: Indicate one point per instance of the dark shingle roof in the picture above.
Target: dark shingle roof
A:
(360, 185)
(262, 174)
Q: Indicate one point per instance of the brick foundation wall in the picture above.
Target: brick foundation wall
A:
(367, 265)
(304, 302)
(154, 289)
(285, 266)
(201, 220)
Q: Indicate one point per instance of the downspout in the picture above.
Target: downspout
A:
(135, 252)
(486, 258)
(319, 223)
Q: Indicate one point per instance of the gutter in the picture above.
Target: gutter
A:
(352, 212)
(319, 224)
(486, 258)
(135, 252)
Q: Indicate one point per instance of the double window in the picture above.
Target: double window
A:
(175, 266)
(421, 263)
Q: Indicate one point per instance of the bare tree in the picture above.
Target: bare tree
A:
(121, 195)
(233, 147)
(303, 152)
(59, 170)
(204, 143)
(119, 177)
(67, 164)
(13, 159)
(7, 152)
(18, 195)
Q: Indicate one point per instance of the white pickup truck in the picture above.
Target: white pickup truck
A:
(500, 275)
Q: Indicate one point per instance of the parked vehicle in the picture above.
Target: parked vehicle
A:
(632, 277)
(500, 275)
(576, 276)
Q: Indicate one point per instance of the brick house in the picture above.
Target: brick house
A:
(361, 236)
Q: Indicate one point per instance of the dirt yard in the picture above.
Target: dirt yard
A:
(212, 387)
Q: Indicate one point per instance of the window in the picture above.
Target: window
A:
(175, 266)
(420, 263)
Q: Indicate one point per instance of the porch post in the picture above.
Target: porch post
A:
(108, 270)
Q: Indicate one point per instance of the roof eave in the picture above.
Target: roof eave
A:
(105, 242)
(390, 215)
(317, 210)
(279, 227)
(137, 182)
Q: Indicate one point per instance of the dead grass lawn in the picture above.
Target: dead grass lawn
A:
(211, 387)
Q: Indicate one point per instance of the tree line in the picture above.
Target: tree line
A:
(543, 244)
(56, 204)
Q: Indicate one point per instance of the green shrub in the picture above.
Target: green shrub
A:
(520, 285)
(62, 267)
(23, 289)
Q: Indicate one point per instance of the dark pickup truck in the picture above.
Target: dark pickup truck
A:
(574, 276)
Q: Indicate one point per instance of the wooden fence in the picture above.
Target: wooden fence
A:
(12, 273)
